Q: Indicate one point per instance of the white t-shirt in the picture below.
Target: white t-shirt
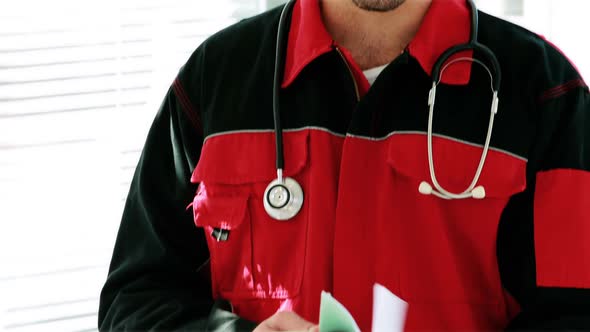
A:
(373, 73)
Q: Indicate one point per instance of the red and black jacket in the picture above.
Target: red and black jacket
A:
(518, 259)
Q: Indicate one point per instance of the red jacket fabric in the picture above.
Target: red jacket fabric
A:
(517, 259)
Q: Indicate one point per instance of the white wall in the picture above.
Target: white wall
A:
(564, 22)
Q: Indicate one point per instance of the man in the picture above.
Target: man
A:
(513, 256)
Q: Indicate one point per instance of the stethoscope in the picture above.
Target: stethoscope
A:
(283, 198)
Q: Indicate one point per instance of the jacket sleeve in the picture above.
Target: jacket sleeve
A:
(548, 246)
(159, 277)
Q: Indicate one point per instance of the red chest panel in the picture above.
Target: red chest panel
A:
(363, 221)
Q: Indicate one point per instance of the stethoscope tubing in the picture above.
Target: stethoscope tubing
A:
(278, 78)
(438, 69)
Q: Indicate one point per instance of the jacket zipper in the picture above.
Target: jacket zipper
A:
(356, 87)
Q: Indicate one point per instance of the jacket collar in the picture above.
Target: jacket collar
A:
(447, 23)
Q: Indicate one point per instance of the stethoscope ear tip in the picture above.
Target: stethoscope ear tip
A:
(478, 192)
(425, 188)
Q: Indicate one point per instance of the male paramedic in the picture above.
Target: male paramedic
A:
(362, 160)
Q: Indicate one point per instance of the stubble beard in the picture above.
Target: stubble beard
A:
(378, 5)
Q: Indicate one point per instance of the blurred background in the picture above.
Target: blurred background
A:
(80, 82)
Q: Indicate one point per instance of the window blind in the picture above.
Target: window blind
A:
(80, 83)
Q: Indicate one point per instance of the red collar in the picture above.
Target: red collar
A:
(447, 23)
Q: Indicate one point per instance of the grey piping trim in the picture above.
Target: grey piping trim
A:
(376, 139)
(233, 132)
(260, 131)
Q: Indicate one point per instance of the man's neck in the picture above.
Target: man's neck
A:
(373, 38)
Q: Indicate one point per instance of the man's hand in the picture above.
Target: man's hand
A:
(286, 321)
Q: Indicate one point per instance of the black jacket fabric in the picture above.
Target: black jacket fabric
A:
(159, 278)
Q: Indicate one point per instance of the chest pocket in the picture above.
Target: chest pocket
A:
(252, 255)
(455, 163)
(448, 247)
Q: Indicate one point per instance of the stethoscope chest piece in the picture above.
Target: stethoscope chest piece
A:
(283, 198)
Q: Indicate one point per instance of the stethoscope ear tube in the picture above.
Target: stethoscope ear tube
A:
(473, 191)
(476, 47)
(472, 45)
(442, 63)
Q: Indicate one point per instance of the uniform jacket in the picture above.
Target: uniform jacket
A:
(518, 259)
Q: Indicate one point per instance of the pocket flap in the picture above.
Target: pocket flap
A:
(225, 211)
(240, 158)
(455, 163)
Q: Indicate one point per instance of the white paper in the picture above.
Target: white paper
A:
(389, 311)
